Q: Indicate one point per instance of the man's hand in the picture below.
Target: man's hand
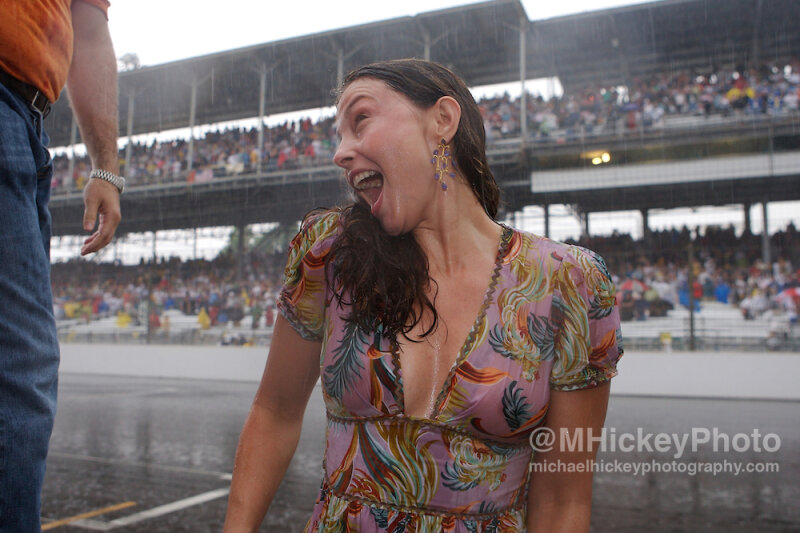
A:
(101, 201)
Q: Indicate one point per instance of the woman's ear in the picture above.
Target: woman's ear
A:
(447, 114)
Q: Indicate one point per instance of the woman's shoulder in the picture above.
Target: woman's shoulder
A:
(320, 221)
(318, 229)
(535, 250)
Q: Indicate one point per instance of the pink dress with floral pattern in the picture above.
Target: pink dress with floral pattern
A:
(548, 322)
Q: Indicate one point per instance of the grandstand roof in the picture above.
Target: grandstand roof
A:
(479, 41)
(474, 40)
(621, 45)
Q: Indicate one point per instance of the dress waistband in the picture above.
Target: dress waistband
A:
(411, 466)
(444, 427)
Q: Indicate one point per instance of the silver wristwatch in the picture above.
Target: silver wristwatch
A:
(113, 179)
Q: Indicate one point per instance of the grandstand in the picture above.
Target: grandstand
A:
(691, 103)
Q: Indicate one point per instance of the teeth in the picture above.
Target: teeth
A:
(359, 178)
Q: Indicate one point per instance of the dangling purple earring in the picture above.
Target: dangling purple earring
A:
(443, 164)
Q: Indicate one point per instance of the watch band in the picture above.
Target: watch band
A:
(113, 179)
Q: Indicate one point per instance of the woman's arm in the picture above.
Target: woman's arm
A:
(561, 501)
(272, 430)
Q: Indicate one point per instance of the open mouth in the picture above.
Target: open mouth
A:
(369, 185)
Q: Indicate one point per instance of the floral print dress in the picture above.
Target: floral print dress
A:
(548, 322)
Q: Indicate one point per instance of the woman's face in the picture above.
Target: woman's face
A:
(386, 149)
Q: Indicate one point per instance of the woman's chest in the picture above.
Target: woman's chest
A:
(494, 380)
(435, 346)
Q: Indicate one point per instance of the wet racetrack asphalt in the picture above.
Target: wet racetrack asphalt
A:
(155, 455)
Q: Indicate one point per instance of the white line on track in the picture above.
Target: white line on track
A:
(99, 525)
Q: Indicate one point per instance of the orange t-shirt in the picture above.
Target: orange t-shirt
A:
(36, 41)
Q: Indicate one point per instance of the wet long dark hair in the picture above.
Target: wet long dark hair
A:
(385, 278)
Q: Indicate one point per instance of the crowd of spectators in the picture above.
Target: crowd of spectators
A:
(646, 103)
(228, 152)
(652, 278)
(653, 275)
(140, 295)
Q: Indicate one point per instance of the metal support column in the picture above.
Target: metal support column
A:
(748, 226)
(192, 118)
(690, 283)
(262, 89)
(547, 220)
(523, 103)
(755, 59)
(645, 225)
(340, 57)
(129, 131)
(427, 40)
(339, 67)
(240, 251)
(585, 224)
(766, 255)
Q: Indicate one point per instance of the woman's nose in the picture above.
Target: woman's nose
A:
(343, 154)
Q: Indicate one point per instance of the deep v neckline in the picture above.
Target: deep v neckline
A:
(466, 346)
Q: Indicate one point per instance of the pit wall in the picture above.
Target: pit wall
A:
(698, 374)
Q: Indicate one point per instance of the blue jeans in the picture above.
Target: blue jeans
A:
(28, 344)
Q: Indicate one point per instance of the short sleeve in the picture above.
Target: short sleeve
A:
(302, 298)
(588, 340)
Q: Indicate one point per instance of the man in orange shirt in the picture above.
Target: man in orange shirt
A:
(44, 44)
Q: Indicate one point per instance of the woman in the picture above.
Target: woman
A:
(442, 339)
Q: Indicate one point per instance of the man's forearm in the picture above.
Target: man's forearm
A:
(92, 86)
